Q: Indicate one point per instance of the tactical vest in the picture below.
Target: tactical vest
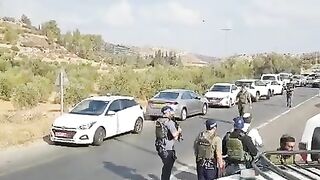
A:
(161, 130)
(243, 97)
(205, 146)
(235, 150)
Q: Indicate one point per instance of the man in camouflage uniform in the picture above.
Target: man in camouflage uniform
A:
(244, 98)
(287, 143)
(208, 152)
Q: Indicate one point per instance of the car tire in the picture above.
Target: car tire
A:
(230, 103)
(281, 93)
(99, 136)
(268, 95)
(204, 109)
(315, 142)
(183, 114)
(138, 126)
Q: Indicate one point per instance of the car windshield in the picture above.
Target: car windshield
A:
(90, 107)
(284, 76)
(245, 83)
(220, 88)
(259, 83)
(269, 78)
(296, 77)
(167, 95)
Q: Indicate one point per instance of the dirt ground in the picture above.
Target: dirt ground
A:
(23, 127)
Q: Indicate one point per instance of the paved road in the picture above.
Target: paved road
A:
(133, 156)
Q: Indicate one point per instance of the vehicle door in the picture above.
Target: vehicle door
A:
(277, 87)
(189, 102)
(127, 116)
(197, 101)
(111, 123)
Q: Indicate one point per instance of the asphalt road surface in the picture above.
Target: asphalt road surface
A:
(133, 156)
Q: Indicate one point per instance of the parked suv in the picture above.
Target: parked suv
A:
(257, 88)
(272, 77)
(96, 118)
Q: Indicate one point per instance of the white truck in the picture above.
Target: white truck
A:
(256, 88)
(272, 77)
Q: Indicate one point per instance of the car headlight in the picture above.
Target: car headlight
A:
(87, 126)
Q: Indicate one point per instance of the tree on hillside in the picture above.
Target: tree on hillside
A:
(25, 20)
(51, 30)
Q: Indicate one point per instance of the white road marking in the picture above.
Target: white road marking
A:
(287, 111)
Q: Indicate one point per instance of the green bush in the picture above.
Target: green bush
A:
(74, 93)
(5, 88)
(15, 48)
(25, 96)
(43, 86)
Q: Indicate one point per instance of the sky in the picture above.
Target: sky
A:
(190, 25)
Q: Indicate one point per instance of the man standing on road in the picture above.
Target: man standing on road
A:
(166, 135)
(244, 98)
(208, 152)
(238, 149)
(289, 92)
(251, 132)
(287, 143)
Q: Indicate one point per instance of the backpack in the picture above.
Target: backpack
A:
(235, 150)
(161, 132)
(205, 148)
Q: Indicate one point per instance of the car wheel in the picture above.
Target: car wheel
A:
(204, 109)
(183, 115)
(269, 94)
(99, 136)
(281, 93)
(230, 103)
(138, 126)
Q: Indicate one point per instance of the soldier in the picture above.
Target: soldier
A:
(244, 98)
(289, 92)
(166, 135)
(208, 152)
(287, 143)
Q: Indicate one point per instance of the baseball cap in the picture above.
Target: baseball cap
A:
(247, 118)
(238, 123)
(210, 123)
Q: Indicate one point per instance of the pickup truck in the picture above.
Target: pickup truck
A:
(256, 88)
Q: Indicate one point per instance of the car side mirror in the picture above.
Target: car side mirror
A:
(111, 113)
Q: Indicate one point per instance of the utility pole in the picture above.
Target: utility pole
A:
(226, 30)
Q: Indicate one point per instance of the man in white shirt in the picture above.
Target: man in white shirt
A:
(253, 133)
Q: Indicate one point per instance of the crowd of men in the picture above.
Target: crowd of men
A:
(216, 156)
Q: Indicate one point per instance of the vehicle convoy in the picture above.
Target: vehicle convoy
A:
(264, 169)
(256, 88)
(285, 77)
(222, 94)
(276, 87)
(96, 118)
(299, 80)
(184, 102)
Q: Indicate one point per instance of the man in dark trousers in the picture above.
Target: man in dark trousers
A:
(166, 135)
(239, 148)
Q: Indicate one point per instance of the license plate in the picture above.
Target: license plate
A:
(158, 105)
(61, 134)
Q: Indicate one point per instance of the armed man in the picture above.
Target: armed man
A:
(289, 93)
(244, 98)
(238, 149)
(208, 152)
(166, 135)
(287, 143)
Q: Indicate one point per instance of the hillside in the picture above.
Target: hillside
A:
(47, 43)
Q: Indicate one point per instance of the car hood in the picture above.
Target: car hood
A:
(217, 94)
(73, 120)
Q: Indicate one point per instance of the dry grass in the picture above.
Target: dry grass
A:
(25, 126)
(20, 127)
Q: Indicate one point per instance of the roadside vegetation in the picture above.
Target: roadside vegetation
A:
(28, 84)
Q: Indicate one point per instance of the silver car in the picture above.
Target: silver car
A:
(184, 102)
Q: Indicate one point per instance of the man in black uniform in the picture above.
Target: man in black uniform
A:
(239, 148)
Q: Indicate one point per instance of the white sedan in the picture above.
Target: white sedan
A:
(96, 118)
(222, 94)
(276, 87)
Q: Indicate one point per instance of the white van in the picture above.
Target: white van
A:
(272, 77)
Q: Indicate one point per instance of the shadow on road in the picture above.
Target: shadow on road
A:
(186, 176)
(218, 120)
(123, 171)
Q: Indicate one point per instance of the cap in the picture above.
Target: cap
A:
(247, 118)
(166, 109)
(210, 123)
(238, 123)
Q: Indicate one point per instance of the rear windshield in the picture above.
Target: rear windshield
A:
(219, 88)
(269, 78)
(259, 83)
(167, 95)
(245, 83)
(285, 76)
